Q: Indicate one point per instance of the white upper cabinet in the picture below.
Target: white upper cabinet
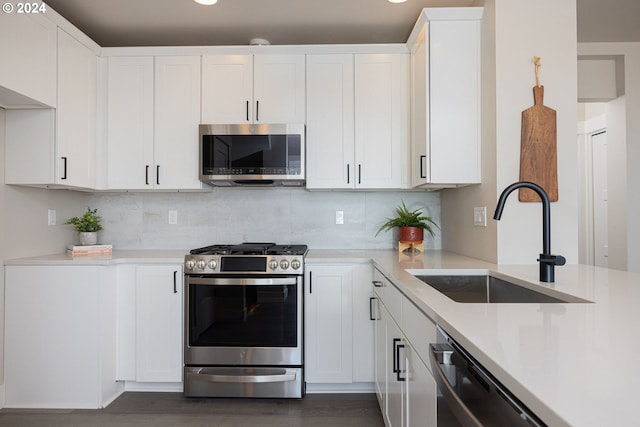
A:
(177, 116)
(58, 147)
(76, 113)
(330, 121)
(253, 89)
(445, 74)
(130, 123)
(153, 112)
(28, 50)
(357, 121)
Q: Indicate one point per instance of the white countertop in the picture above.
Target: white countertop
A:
(570, 363)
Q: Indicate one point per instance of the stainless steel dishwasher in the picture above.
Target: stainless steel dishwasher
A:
(468, 395)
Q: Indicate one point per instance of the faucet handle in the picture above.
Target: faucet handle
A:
(552, 259)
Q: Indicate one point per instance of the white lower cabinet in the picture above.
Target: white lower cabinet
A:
(159, 323)
(338, 327)
(60, 337)
(404, 384)
(150, 302)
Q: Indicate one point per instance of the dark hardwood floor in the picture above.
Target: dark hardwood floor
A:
(171, 409)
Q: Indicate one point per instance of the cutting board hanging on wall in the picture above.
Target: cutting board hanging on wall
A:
(538, 155)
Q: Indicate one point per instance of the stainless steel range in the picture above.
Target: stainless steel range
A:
(243, 321)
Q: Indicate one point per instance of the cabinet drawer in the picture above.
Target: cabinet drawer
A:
(418, 328)
(388, 294)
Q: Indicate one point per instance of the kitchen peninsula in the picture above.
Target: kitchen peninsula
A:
(568, 362)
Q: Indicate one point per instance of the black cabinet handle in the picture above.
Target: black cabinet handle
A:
(348, 174)
(399, 371)
(311, 282)
(175, 282)
(158, 175)
(257, 111)
(247, 110)
(378, 284)
(359, 174)
(146, 174)
(423, 160)
(64, 168)
(395, 355)
(371, 317)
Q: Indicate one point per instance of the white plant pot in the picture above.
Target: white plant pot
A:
(88, 238)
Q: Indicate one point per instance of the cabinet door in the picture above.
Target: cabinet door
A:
(328, 324)
(395, 387)
(279, 88)
(363, 323)
(381, 120)
(159, 323)
(380, 352)
(76, 113)
(28, 50)
(177, 115)
(130, 123)
(227, 89)
(330, 121)
(419, 163)
(420, 391)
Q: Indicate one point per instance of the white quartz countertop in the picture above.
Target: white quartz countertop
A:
(570, 363)
(116, 257)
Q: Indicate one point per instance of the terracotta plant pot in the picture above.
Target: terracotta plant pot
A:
(411, 234)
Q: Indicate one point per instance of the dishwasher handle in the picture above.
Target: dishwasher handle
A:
(441, 354)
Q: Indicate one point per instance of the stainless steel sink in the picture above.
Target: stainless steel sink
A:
(488, 289)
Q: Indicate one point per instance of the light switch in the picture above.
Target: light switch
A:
(480, 216)
(339, 217)
(51, 217)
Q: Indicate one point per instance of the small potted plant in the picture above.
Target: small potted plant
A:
(87, 226)
(411, 224)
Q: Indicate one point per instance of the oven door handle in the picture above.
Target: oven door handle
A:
(238, 281)
(280, 376)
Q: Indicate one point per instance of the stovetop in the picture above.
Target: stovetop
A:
(246, 258)
(251, 248)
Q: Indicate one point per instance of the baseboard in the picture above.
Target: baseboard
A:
(155, 387)
(317, 388)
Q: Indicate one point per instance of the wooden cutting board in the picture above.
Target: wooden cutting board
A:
(538, 155)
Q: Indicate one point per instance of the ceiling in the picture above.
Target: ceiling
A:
(286, 22)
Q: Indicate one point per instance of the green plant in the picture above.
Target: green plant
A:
(88, 222)
(406, 218)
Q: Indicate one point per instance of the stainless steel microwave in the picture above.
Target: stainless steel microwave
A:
(252, 154)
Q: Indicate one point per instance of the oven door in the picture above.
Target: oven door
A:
(243, 321)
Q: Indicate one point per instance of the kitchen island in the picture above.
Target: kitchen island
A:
(570, 363)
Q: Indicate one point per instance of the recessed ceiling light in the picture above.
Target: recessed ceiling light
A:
(397, 1)
(206, 2)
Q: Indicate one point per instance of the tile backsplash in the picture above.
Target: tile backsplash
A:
(282, 215)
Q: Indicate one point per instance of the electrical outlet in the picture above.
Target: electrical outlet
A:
(173, 217)
(339, 217)
(480, 216)
(51, 217)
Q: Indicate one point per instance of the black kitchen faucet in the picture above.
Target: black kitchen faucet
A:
(547, 260)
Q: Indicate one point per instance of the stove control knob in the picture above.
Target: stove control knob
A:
(201, 264)
(213, 264)
(284, 264)
(273, 264)
(295, 264)
(190, 264)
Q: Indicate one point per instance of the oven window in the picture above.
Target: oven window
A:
(242, 316)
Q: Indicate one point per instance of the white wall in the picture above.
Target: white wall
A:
(514, 32)
(281, 215)
(622, 120)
